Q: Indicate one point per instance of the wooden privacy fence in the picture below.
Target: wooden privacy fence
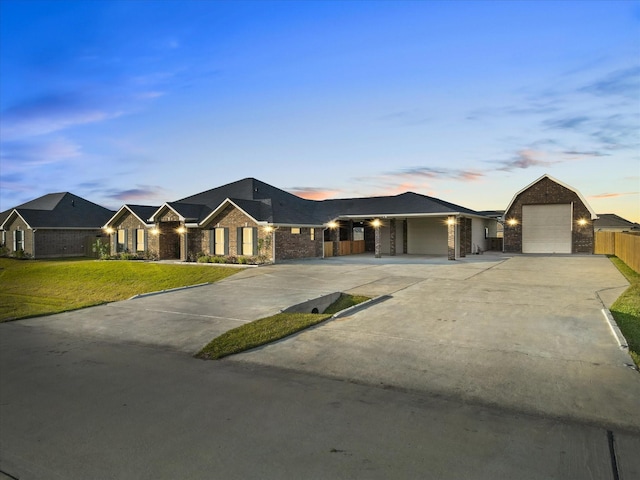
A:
(625, 246)
(345, 247)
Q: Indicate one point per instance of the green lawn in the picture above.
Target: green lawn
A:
(39, 287)
(626, 309)
(269, 329)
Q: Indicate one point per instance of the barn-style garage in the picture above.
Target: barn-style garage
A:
(548, 216)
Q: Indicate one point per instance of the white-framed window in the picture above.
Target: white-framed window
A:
(220, 236)
(295, 230)
(358, 233)
(18, 240)
(121, 240)
(141, 240)
(4, 238)
(312, 233)
(247, 241)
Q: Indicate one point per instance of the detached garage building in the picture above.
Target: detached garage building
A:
(548, 216)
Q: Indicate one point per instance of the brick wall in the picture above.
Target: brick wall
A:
(546, 191)
(291, 245)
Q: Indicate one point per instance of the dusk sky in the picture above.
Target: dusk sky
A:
(144, 102)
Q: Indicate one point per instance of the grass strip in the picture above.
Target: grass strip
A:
(626, 309)
(269, 329)
(31, 288)
(259, 332)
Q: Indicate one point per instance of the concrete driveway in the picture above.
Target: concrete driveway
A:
(524, 332)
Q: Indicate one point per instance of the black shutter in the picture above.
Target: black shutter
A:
(239, 238)
(212, 241)
(255, 241)
(226, 241)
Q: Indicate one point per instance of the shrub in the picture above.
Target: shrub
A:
(103, 249)
(204, 259)
(150, 255)
(21, 254)
(4, 250)
(231, 259)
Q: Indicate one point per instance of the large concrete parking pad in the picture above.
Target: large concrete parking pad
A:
(526, 333)
(489, 367)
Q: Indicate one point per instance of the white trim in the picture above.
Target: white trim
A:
(223, 204)
(594, 216)
(18, 214)
(410, 215)
(166, 204)
(118, 214)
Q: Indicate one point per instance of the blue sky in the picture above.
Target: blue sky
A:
(150, 101)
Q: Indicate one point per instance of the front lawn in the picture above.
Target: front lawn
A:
(626, 309)
(39, 287)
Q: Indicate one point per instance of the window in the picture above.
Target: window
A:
(141, 240)
(312, 233)
(4, 237)
(121, 240)
(358, 233)
(247, 241)
(220, 241)
(18, 240)
(295, 230)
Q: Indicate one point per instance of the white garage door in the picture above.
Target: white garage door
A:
(546, 228)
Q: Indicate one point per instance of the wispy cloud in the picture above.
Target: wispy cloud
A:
(51, 113)
(19, 154)
(438, 173)
(311, 193)
(624, 83)
(527, 159)
(613, 194)
(140, 193)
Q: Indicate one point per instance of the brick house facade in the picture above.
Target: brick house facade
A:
(54, 225)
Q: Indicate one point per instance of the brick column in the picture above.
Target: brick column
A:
(392, 236)
(335, 238)
(405, 243)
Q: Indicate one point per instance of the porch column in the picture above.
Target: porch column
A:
(392, 237)
(451, 238)
(335, 238)
(405, 235)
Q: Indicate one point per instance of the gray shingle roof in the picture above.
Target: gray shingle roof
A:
(267, 203)
(61, 210)
(611, 220)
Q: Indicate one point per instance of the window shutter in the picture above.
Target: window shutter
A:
(146, 240)
(212, 241)
(15, 240)
(255, 241)
(226, 241)
(126, 240)
(239, 241)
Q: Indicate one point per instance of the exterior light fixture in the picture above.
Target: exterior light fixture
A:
(332, 224)
(181, 230)
(268, 229)
(451, 221)
(154, 231)
(582, 222)
(376, 223)
(512, 222)
(109, 230)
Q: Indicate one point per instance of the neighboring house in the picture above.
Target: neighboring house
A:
(610, 222)
(548, 216)
(54, 225)
(251, 218)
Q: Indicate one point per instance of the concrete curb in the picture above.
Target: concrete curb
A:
(141, 295)
(360, 306)
(615, 330)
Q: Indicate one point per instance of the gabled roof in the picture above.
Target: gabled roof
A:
(568, 187)
(59, 210)
(263, 202)
(611, 220)
(267, 204)
(141, 212)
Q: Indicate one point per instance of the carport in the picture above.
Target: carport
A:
(448, 234)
